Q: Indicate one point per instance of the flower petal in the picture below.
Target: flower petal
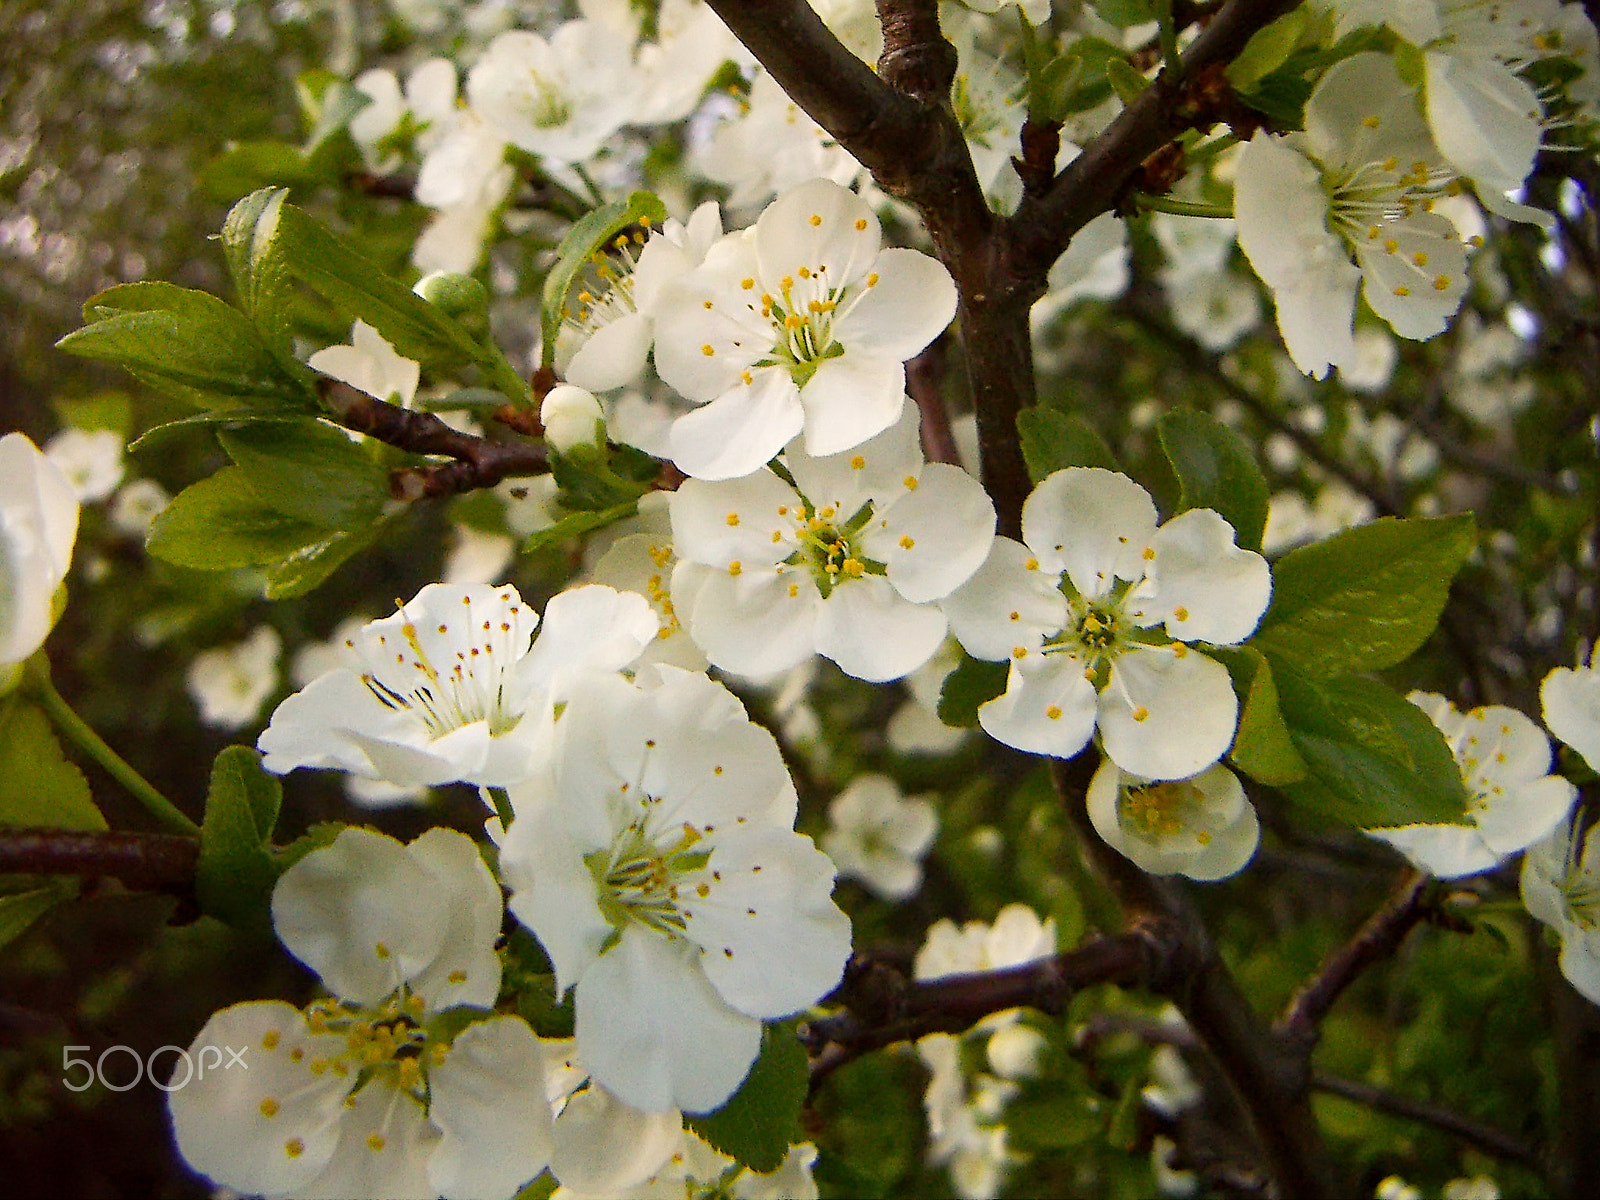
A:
(488, 1100)
(1093, 523)
(741, 430)
(873, 633)
(1045, 709)
(1166, 714)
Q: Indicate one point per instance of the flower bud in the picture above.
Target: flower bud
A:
(571, 417)
(459, 296)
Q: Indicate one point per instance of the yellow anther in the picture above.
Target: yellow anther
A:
(857, 462)
(1390, 246)
(1141, 713)
(733, 518)
(1420, 259)
(707, 350)
(794, 590)
(749, 381)
(706, 304)
(269, 1040)
(1149, 553)
(910, 482)
(457, 977)
(906, 543)
(1031, 565)
(1019, 652)
(1402, 291)
(815, 220)
(294, 1147)
(804, 272)
(269, 1107)
(1371, 122)
(1181, 613)
(872, 279)
(735, 567)
(1441, 282)
(861, 223)
(375, 1142)
(1053, 713)
(747, 284)
(382, 949)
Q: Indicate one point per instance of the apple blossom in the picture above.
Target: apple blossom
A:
(1096, 609)
(843, 556)
(359, 1094)
(90, 459)
(449, 688)
(878, 836)
(1505, 762)
(370, 364)
(658, 867)
(801, 323)
(1203, 827)
(230, 683)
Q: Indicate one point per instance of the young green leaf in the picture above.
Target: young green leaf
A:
(236, 872)
(309, 566)
(1373, 758)
(1262, 748)
(310, 471)
(39, 787)
(761, 1120)
(577, 524)
(1216, 470)
(189, 345)
(1366, 598)
(22, 909)
(1052, 439)
(221, 523)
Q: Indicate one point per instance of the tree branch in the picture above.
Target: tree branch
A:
(143, 861)
(1375, 941)
(1476, 1134)
(480, 463)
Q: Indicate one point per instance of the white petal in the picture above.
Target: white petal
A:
(1414, 273)
(1091, 522)
(873, 633)
(816, 225)
(1201, 585)
(604, 1147)
(850, 399)
(912, 301)
(586, 629)
(613, 356)
(1484, 119)
(552, 890)
(1006, 604)
(653, 1030)
(220, 1115)
(362, 913)
(1167, 716)
(384, 1143)
(466, 969)
(1533, 810)
(875, 470)
(773, 942)
(734, 520)
(38, 524)
(741, 430)
(749, 624)
(488, 1101)
(1447, 851)
(1045, 710)
(1571, 706)
(932, 539)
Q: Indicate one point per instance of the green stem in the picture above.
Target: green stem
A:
(40, 688)
(1210, 149)
(1181, 208)
(1169, 38)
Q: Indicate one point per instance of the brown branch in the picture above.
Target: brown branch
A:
(1375, 941)
(142, 861)
(1475, 1133)
(882, 1006)
(480, 463)
(1270, 1076)
(922, 385)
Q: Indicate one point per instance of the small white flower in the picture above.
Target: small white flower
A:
(230, 683)
(1561, 887)
(1017, 936)
(449, 688)
(800, 324)
(571, 417)
(1096, 613)
(1203, 827)
(1505, 762)
(370, 364)
(658, 867)
(38, 525)
(136, 506)
(878, 836)
(641, 560)
(91, 460)
(848, 560)
(356, 1095)
(1571, 702)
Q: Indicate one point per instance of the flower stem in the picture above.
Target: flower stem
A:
(1181, 208)
(40, 688)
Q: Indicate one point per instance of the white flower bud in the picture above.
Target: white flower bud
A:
(571, 417)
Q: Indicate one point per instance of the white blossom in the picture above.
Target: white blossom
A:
(878, 836)
(449, 687)
(658, 867)
(1203, 827)
(230, 683)
(1571, 700)
(370, 364)
(358, 1095)
(1514, 801)
(38, 525)
(136, 506)
(90, 459)
(800, 324)
(1096, 610)
(1561, 887)
(846, 561)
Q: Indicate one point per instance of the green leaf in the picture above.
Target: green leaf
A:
(221, 523)
(1052, 439)
(1053, 1122)
(1366, 598)
(1125, 80)
(39, 788)
(309, 566)
(1267, 50)
(761, 1120)
(104, 410)
(310, 471)
(228, 417)
(577, 524)
(21, 910)
(248, 166)
(260, 276)
(1373, 758)
(355, 284)
(1262, 748)
(1216, 470)
(585, 239)
(973, 683)
(236, 872)
(189, 345)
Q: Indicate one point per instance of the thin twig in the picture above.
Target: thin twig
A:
(1475, 1133)
(143, 861)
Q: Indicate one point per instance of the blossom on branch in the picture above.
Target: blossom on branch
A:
(38, 525)
(1096, 611)
(1203, 827)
